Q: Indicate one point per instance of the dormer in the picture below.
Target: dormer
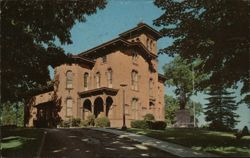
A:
(145, 34)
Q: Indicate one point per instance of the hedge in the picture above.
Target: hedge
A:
(142, 124)
(102, 122)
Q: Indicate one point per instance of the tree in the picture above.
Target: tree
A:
(29, 30)
(215, 31)
(179, 74)
(172, 105)
(220, 110)
(12, 114)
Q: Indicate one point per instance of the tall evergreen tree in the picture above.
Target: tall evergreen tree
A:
(220, 110)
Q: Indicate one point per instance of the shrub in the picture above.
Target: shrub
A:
(65, 123)
(149, 117)
(91, 120)
(158, 125)
(140, 124)
(84, 123)
(102, 122)
(75, 122)
(245, 131)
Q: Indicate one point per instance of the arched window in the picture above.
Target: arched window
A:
(151, 105)
(150, 86)
(110, 76)
(98, 79)
(134, 103)
(69, 79)
(69, 105)
(85, 80)
(147, 44)
(151, 45)
(104, 59)
(134, 56)
(134, 81)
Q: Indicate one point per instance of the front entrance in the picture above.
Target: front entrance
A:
(46, 115)
(99, 108)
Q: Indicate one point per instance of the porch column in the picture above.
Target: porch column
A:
(104, 104)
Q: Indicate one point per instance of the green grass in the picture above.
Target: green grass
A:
(221, 143)
(20, 142)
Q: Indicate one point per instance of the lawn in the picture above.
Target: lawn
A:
(20, 142)
(220, 143)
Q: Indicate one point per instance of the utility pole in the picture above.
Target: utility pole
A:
(124, 127)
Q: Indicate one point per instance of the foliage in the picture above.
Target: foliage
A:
(91, 120)
(102, 122)
(11, 113)
(220, 110)
(214, 31)
(84, 123)
(29, 30)
(158, 125)
(75, 122)
(172, 105)
(245, 131)
(179, 74)
(142, 124)
(65, 123)
(149, 117)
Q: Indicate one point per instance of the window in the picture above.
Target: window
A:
(134, 104)
(110, 74)
(85, 80)
(69, 103)
(151, 105)
(134, 81)
(150, 86)
(147, 44)
(104, 59)
(69, 79)
(134, 56)
(98, 79)
(151, 45)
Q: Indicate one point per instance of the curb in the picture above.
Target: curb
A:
(42, 143)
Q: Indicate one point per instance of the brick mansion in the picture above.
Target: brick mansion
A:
(93, 83)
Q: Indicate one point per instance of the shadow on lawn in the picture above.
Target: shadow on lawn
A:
(20, 142)
(223, 143)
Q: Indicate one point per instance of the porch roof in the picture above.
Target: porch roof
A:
(98, 91)
(45, 104)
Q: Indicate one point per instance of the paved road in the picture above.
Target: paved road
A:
(88, 143)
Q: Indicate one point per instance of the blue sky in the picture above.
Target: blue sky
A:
(119, 16)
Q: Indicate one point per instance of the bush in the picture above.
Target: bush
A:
(91, 120)
(75, 122)
(102, 122)
(84, 123)
(245, 131)
(65, 123)
(149, 117)
(158, 125)
(140, 124)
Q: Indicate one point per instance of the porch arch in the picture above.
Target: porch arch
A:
(87, 108)
(109, 103)
(98, 107)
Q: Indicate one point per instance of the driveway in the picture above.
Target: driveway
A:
(89, 143)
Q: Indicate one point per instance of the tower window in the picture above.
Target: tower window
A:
(69, 79)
